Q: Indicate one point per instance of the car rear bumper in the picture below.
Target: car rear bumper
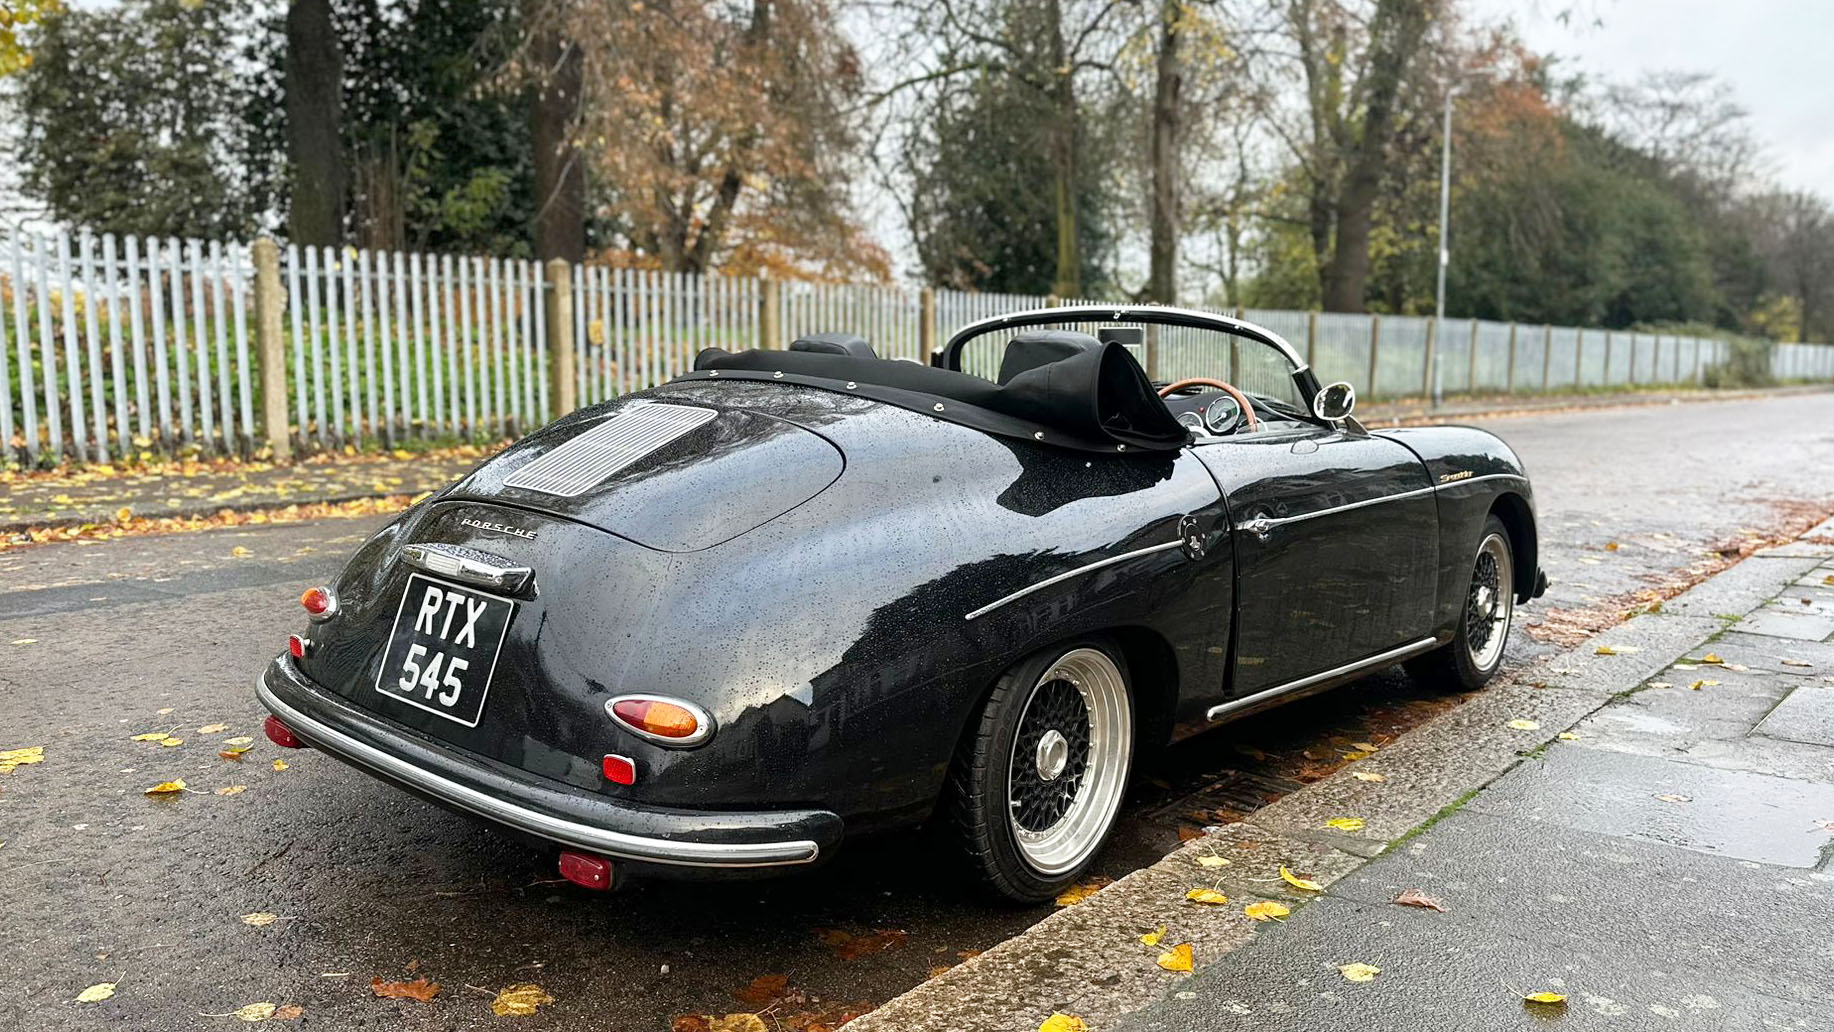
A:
(535, 806)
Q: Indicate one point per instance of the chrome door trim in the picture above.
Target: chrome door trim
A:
(1264, 525)
(1066, 575)
(1380, 659)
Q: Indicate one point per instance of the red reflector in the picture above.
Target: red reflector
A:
(280, 734)
(592, 872)
(621, 770)
(297, 646)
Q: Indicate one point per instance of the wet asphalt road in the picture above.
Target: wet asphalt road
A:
(100, 883)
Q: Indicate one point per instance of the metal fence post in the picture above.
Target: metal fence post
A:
(560, 337)
(926, 323)
(1375, 338)
(271, 347)
(1311, 339)
(1429, 384)
(770, 315)
(1471, 362)
(1547, 357)
(1579, 358)
(1607, 377)
(1632, 379)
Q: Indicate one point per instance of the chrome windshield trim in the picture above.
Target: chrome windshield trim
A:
(614, 844)
(1128, 313)
(1066, 575)
(1380, 659)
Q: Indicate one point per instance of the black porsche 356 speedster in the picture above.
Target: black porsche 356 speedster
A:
(791, 596)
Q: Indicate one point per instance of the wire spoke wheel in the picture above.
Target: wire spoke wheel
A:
(1068, 765)
(1490, 602)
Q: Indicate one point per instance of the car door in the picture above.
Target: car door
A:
(1336, 541)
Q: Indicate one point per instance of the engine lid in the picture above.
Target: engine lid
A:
(672, 477)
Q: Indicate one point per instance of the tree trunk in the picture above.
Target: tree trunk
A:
(1168, 113)
(560, 179)
(314, 102)
(1068, 282)
(1394, 35)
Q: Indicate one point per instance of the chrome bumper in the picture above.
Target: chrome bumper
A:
(593, 839)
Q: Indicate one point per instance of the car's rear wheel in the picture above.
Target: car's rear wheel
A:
(1038, 779)
(1476, 652)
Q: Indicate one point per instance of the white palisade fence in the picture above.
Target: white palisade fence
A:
(114, 346)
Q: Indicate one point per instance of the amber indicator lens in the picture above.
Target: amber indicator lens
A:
(318, 601)
(664, 719)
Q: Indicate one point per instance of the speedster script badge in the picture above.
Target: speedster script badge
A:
(444, 647)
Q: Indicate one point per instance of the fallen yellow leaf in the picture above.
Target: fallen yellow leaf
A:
(233, 753)
(1345, 823)
(1300, 883)
(1524, 725)
(1179, 958)
(1712, 659)
(1567, 736)
(1362, 746)
(1212, 861)
(738, 1023)
(1604, 650)
(528, 997)
(152, 736)
(1206, 896)
(96, 993)
(255, 1012)
(1358, 754)
(1359, 972)
(1077, 893)
(239, 740)
(260, 919)
(212, 729)
(167, 787)
(240, 553)
(21, 757)
(1063, 1023)
(123, 514)
(1545, 998)
(232, 790)
(169, 741)
(280, 764)
(1266, 910)
(1364, 775)
(25, 641)
(1152, 938)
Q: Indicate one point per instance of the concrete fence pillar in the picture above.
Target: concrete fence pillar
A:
(927, 339)
(561, 385)
(1429, 382)
(1375, 341)
(1311, 339)
(1547, 357)
(271, 347)
(1509, 377)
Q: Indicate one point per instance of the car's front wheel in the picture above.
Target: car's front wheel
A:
(1476, 652)
(1039, 777)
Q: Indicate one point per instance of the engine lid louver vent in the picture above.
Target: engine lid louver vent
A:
(584, 462)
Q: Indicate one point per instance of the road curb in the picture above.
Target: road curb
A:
(1379, 414)
(1089, 960)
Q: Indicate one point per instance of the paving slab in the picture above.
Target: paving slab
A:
(1778, 623)
(1712, 944)
(1742, 587)
(1806, 716)
(1730, 813)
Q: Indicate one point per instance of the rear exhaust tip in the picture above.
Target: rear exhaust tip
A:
(587, 871)
(281, 735)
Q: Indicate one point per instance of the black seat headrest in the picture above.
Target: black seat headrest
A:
(1034, 348)
(835, 344)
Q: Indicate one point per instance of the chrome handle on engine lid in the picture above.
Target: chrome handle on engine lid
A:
(469, 566)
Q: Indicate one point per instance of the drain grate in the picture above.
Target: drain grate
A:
(584, 462)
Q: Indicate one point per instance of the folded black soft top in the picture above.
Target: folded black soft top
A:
(1079, 394)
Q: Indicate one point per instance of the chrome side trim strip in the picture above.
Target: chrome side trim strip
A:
(1066, 575)
(615, 844)
(1380, 659)
(1267, 524)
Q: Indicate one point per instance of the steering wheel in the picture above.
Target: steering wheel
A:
(1241, 399)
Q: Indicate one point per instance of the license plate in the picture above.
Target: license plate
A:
(443, 648)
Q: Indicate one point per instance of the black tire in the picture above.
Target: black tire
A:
(981, 790)
(1475, 653)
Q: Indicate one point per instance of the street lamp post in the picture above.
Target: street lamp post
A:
(1445, 256)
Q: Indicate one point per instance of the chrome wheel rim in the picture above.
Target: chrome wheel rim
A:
(1490, 603)
(1069, 760)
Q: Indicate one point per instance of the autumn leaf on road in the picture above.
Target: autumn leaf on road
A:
(1063, 1023)
(21, 757)
(1712, 659)
(527, 998)
(763, 991)
(153, 736)
(1521, 724)
(1359, 972)
(1178, 958)
(96, 993)
(851, 947)
(422, 989)
(1416, 898)
(1212, 861)
(1345, 823)
(280, 764)
(167, 788)
(260, 919)
(213, 729)
(1210, 896)
(1364, 775)
(1153, 938)
(1545, 999)
(254, 1012)
(1266, 910)
(1297, 882)
(1077, 893)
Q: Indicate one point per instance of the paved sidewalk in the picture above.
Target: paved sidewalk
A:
(1670, 866)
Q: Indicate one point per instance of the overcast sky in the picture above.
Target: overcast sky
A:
(1773, 52)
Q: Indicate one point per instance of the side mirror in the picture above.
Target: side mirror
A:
(1335, 402)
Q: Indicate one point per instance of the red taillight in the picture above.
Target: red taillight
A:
(280, 734)
(620, 770)
(297, 646)
(320, 603)
(584, 869)
(660, 718)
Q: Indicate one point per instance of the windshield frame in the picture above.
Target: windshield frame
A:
(949, 355)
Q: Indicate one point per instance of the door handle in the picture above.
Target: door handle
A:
(1260, 526)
